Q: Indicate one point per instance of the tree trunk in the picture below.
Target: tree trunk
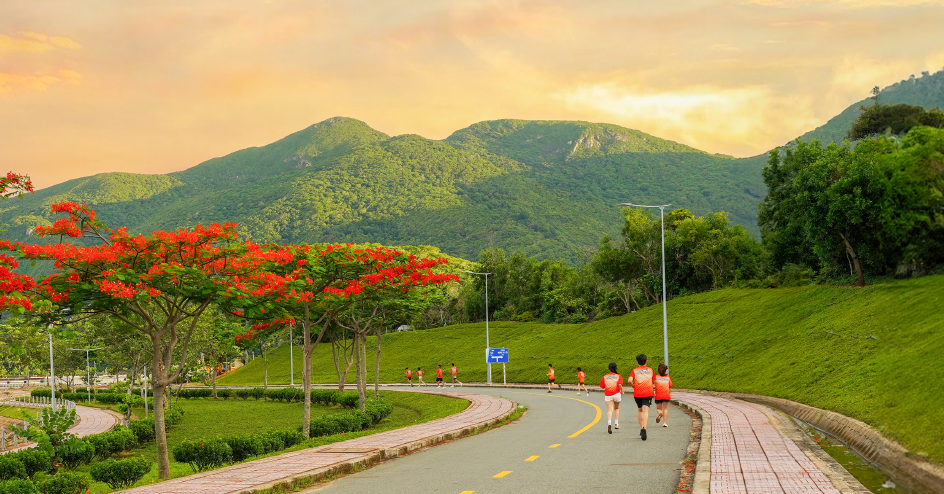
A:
(362, 382)
(307, 349)
(144, 395)
(855, 261)
(265, 370)
(377, 366)
(213, 373)
(160, 432)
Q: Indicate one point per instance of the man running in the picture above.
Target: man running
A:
(455, 372)
(580, 377)
(550, 377)
(439, 379)
(612, 385)
(409, 376)
(419, 376)
(643, 391)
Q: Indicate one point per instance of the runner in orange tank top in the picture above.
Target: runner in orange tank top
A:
(455, 379)
(550, 377)
(580, 377)
(409, 376)
(662, 383)
(439, 378)
(612, 385)
(643, 390)
(419, 377)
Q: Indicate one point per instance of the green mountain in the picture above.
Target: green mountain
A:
(548, 188)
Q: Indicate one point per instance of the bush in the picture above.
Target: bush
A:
(290, 438)
(11, 468)
(173, 417)
(245, 446)
(256, 393)
(351, 421)
(64, 483)
(203, 455)
(349, 399)
(378, 410)
(33, 460)
(121, 474)
(113, 442)
(143, 429)
(18, 486)
(325, 396)
(271, 442)
(74, 452)
(224, 393)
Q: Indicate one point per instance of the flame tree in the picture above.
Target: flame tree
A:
(308, 285)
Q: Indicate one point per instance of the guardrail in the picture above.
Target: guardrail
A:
(35, 402)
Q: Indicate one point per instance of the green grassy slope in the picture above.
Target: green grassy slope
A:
(548, 188)
(871, 353)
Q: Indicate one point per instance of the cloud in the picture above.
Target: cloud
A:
(32, 42)
(845, 3)
(10, 82)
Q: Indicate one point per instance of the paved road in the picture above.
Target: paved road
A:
(592, 461)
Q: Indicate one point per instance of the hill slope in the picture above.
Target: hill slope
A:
(872, 353)
(543, 187)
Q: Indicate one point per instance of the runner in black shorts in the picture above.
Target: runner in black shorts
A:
(643, 391)
(439, 379)
(550, 377)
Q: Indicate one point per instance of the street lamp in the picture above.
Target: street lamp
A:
(665, 319)
(88, 369)
(486, 323)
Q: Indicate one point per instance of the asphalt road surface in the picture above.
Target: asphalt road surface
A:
(552, 448)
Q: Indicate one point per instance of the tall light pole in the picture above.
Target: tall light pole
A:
(489, 375)
(88, 369)
(52, 373)
(665, 318)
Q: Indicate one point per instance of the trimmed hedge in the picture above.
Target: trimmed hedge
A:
(203, 455)
(11, 468)
(351, 421)
(18, 486)
(120, 474)
(208, 454)
(64, 483)
(110, 443)
(34, 460)
(75, 451)
(143, 429)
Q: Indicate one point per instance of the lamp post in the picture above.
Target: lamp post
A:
(88, 369)
(52, 374)
(665, 319)
(489, 374)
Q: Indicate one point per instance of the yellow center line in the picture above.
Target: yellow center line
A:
(553, 445)
(591, 424)
(532, 458)
(506, 472)
(466, 492)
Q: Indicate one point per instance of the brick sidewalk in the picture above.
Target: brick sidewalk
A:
(259, 473)
(749, 455)
(90, 421)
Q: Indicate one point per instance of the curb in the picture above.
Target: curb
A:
(702, 482)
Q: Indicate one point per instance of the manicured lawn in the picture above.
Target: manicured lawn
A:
(208, 418)
(17, 412)
(875, 353)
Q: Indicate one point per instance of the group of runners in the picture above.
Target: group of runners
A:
(647, 387)
(439, 376)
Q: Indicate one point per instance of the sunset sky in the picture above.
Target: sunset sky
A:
(153, 87)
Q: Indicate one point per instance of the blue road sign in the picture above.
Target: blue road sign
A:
(497, 355)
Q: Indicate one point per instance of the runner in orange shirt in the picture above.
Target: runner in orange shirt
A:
(580, 377)
(612, 385)
(439, 379)
(643, 390)
(409, 376)
(455, 379)
(550, 377)
(419, 377)
(663, 382)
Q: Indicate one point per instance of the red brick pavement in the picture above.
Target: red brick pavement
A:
(90, 421)
(749, 456)
(247, 475)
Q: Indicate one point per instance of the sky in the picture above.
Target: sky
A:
(154, 87)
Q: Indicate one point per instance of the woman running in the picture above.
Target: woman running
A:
(419, 376)
(409, 376)
(580, 377)
(612, 385)
(663, 382)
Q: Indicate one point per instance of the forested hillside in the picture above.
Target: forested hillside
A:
(546, 188)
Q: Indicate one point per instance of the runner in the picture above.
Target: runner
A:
(612, 385)
(455, 379)
(550, 377)
(419, 377)
(580, 376)
(663, 382)
(641, 378)
(439, 379)
(409, 376)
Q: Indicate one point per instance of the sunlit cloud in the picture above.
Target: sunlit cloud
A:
(31, 42)
(37, 82)
(845, 3)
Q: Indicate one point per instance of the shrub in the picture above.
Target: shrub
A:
(109, 443)
(143, 429)
(173, 416)
(64, 483)
(245, 446)
(203, 455)
(74, 452)
(351, 421)
(349, 399)
(271, 442)
(378, 410)
(256, 393)
(11, 468)
(224, 393)
(33, 460)
(325, 396)
(290, 438)
(121, 474)
(18, 486)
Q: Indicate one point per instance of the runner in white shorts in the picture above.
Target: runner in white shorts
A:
(612, 385)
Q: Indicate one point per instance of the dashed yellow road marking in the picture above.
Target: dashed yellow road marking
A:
(591, 424)
(506, 472)
(466, 492)
(532, 458)
(553, 445)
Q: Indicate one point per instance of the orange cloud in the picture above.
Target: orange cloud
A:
(37, 82)
(32, 42)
